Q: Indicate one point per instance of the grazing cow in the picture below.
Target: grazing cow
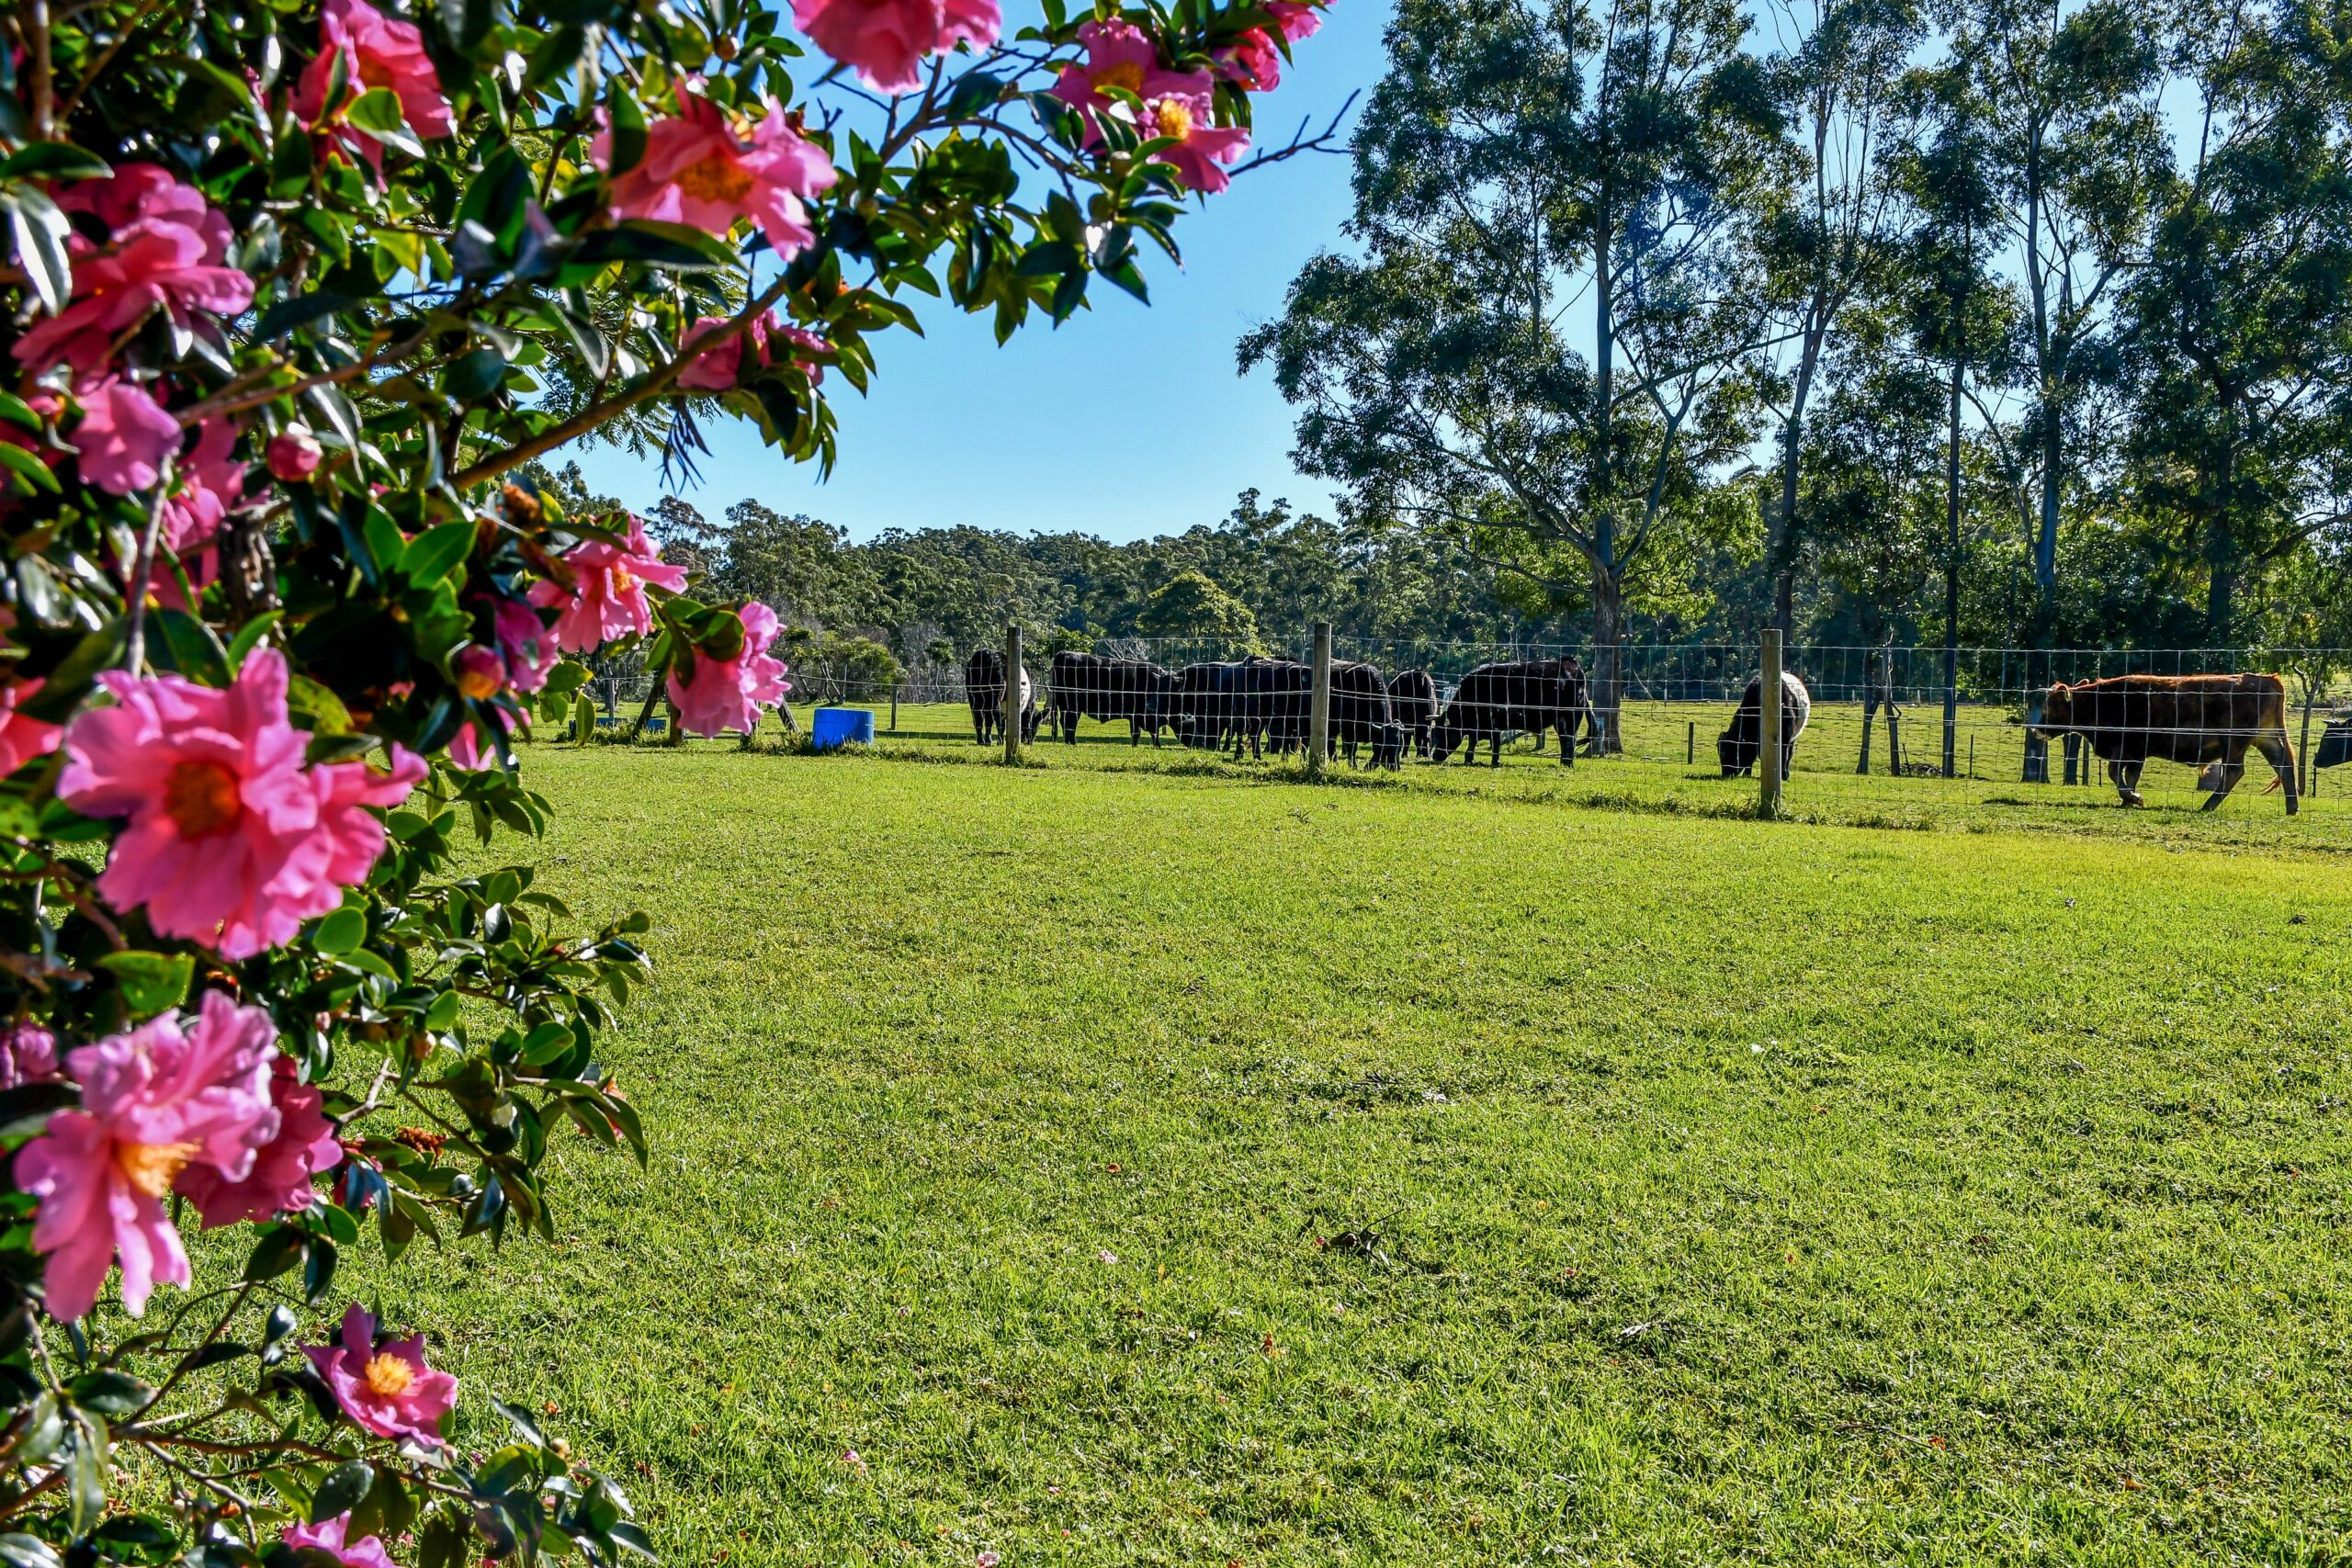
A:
(2205, 721)
(1737, 746)
(1208, 704)
(1412, 701)
(1108, 690)
(984, 688)
(1497, 699)
(2334, 744)
(1277, 695)
(1361, 715)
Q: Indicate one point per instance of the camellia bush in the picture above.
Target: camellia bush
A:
(299, 297)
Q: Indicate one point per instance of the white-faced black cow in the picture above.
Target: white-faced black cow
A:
(1737, 746)
(984, 689)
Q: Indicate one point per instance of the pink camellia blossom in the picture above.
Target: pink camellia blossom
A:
(293, 455)
(170, 1094)
(23, 736)
(213, 784)
(888, 40)
(472, 749)
(705, 167)
(385, 1386)
(525, 643)
(1252, 61)
(210, 481)
(135, 191)
(378, 51)
(481, 674)
(125, 436)
(1200, 144)
(1119, 55)
(344, 848)
(279, 1182)
(1296, 20)
(720, 367)
(332, 1536)
(156, 265)
(607, 601)
(729, 694)
(28, 1055)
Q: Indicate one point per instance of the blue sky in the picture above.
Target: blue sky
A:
(1041, 435)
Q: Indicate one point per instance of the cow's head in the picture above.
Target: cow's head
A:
(2335, 746)
(2057, 711)
(1388, 746)
(1735, 752)
(1444, 735)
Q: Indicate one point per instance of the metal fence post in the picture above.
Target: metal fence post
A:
(1690, 743)
(1319, 714)
(1013, 694)
(1768, 715)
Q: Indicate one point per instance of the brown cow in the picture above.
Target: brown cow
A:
(2201, 720)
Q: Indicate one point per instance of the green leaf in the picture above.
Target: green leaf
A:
(341, 932)
(341, 1491)
(40, 232)
(249, 638)
(287, 315)
(280, 1247)
(434, 554)
(195, 648)
(85, 1472)
(21, 1551)
(110, 1393)
(54, 160)
(313, 702)
(377, 111)
(627, 126)
(28, 465)
(474, 376)
(149, 981)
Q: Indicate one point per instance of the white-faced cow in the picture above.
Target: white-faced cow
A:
(1736, 747)
(984, 688)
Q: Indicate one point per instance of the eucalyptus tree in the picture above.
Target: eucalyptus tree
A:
(1835, 227)
(2242, 320)
(1553, 321)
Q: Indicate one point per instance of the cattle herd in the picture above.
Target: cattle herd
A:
(1265, 705)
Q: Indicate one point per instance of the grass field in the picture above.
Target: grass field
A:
(1796, 1192)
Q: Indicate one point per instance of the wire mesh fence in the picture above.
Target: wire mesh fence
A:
(1897, 710)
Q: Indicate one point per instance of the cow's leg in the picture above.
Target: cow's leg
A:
(1494, 753)
(2280, 755)
(2233, 769)
(2127, 780)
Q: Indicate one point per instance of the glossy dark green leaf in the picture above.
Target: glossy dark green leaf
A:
(341, 1491)
(149, 983)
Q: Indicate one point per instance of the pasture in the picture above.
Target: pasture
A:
(1136, 1158)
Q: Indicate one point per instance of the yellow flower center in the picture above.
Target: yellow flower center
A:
(1175, 119)
(716, 178)
(200, 797)
(1127, 74)
(622, 581)
(478, 681)
(150, 1167)
(388, 1376)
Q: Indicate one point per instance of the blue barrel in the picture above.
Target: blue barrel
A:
(835, 726)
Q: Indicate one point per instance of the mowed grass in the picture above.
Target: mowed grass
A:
(1705, 1188)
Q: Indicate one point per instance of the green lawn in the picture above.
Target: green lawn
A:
(1795, 1191)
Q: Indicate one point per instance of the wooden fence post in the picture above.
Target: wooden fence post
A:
(1013, 694)
(894, 707)
(1691, 743)
(1318, 708)
(1767, 716)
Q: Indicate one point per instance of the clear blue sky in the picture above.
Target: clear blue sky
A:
(1044, 434)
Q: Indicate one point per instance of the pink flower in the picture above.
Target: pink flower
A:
(729, 694)
(1201, 145)
(385, 1387)
(213, 784)
(720, 368)
(138, 191)
(607, 602)
(211, 482)
(525, 643)
(705, 167)
(367, 1551)
(471, 748)
(1119, 55)
(23, 736)
(378, 51)
(28, 1055)
(279, 1182)
(125, 436)
(164, 1097)
(1252, 61)
(344, 848)
(156, 265)
(888, 40)
(293, 455)
(481, 674)
(1296, 20)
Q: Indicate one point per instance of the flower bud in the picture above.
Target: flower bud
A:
(480, 673)
(294, 454)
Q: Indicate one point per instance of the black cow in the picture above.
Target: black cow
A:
(984, 689)
(1736, 747)
(2334, 744)
(1412, 701)
(1276, 698)
(1495, 700)
(1208, 704)
(1108, 690)
(1361, 715)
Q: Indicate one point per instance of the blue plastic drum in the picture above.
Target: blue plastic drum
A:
(836, 727)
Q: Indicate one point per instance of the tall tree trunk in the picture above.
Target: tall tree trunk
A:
(1607, 661)
(1783, 547)
(2045, 540)
(1951, 577)
(1608, 607)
